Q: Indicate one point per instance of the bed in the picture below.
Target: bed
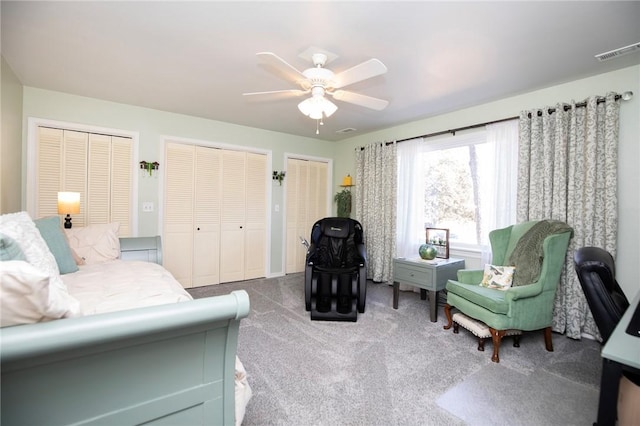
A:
(140, 351)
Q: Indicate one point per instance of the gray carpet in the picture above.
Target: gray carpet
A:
(395, 367)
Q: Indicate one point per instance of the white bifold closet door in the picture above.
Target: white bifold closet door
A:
(99, 167)
(307, 201)
(191, 232)
(214, 214)
(206, 215)
(243, 225)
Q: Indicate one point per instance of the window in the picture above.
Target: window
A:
(454, 180)
(465, 183)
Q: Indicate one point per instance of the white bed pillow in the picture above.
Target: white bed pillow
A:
(27, 295)
(23, 230)
(97, 243)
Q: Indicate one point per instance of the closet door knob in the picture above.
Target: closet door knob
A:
(198, 229)
(240, 226)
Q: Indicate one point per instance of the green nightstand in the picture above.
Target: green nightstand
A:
(428, 275)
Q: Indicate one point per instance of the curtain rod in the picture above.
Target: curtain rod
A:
(459, 129)
(474, 126)
(567, 107)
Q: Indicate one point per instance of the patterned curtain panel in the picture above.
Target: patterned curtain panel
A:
(568, 162)
(376, 180)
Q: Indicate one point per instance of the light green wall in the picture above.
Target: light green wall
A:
(627, 79)
(152, 126)
(11, 145)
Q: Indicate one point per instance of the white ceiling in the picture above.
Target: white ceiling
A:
(197, 58)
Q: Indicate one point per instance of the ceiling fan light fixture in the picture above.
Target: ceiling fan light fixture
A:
(316, 107)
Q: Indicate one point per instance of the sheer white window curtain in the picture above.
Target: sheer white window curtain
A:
(410, 199)
(498, 180)
(499, 205)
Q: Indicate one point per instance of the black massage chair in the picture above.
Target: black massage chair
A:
(335, 272)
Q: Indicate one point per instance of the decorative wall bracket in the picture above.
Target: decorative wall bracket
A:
(279, 176)
(149, 167)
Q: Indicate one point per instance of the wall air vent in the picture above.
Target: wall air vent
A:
(618, 52)
(346, 130)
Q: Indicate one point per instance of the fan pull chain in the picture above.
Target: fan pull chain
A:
(317, 127)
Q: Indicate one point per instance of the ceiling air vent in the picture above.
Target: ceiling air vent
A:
(346, 130)
(618, 52)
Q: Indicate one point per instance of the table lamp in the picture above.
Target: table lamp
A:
(68, 203)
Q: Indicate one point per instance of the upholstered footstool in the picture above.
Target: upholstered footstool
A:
(480, 329)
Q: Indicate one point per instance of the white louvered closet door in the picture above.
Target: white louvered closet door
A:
(317, 193)
(109, 181)
(61, 166)
(214, 214)
(97, 166)
(99, 182)
(255, 237)
(177, 245)
(306, 203)
(296, 206)
(243, 218)
(75, 154)
(121, 187)
(206, 211)
(48, 171)
(233, 218)
(301, 212)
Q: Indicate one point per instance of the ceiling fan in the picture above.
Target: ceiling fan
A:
(319, 82)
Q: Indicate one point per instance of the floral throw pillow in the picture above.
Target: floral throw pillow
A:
(498, 277)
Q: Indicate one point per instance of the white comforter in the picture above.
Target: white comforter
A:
(118, 285)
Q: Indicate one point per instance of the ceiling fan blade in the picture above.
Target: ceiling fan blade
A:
(286, 92)
(278, 94)
(358, 99)
(288, 71)
(365, 70)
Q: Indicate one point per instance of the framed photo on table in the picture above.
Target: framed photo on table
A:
(439, 238)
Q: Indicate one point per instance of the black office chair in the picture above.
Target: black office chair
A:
(597, 275)
(335, 273)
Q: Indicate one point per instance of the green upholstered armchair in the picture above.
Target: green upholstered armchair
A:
(532, 247)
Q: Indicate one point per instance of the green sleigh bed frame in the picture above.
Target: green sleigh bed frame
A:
(166, 364)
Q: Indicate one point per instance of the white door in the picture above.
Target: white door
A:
(233, 218)
(97, 166)
(243, 220)
(206, 210)
(255, 241)
(307, 188)
(177, 237)
(214, 214)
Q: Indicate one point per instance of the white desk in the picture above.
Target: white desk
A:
(620, 353)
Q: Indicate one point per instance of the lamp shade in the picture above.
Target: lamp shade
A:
(329, 107)
(306, 106)
(68, 202)
(315, 106)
